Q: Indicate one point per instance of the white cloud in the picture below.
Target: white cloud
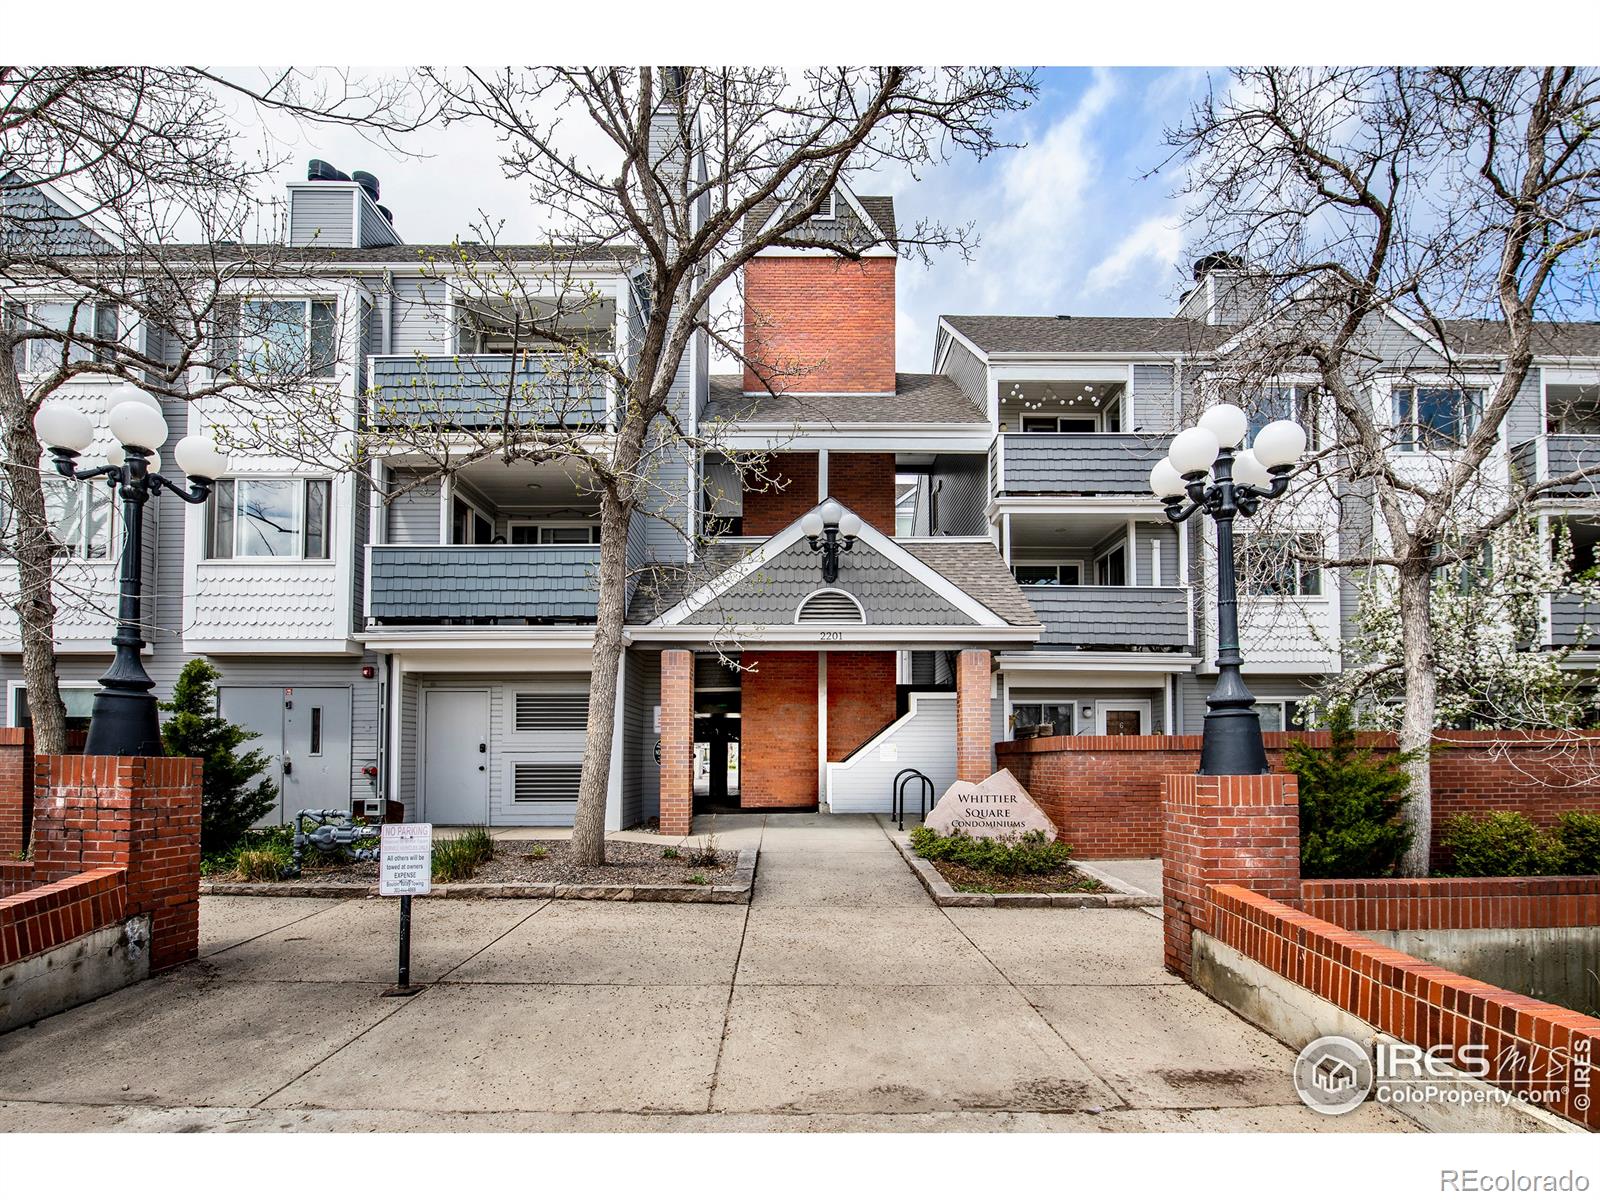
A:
(1156, 242)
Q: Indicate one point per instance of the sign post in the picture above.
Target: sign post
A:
(405, 869)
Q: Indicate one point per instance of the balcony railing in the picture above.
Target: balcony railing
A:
(486, 390)
(1557, 454)
(482, 585)
(1091, 464)
(1103, 618)
(1569, 616)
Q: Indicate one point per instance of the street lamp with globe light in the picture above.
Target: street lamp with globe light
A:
(1205, 468)
(124, 719)
(823, 527)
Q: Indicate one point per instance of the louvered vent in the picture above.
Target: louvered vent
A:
(538, 712)
(545, 783)
(830, 608)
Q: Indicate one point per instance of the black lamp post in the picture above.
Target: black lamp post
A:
(1240, 480)
(124, 719)
(823, 528)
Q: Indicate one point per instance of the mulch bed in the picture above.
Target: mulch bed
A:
(967, 879)
(626, 863)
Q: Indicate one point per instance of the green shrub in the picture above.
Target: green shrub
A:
(1499, 843)
(1578, 833)
(538, 852)
(1351, 799)
(278, 839)
(229, 801)
(1031, 854)
(459, 857)
(264, 865)
(669, 852)
(698, 878)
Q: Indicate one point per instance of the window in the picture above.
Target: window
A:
(468, 525)
(907, 500)
(80, 513)
(1435, 418)
(1065, 574)
(78, 699)
(316, 731)
(270, 518)
(1055, 713)
(280, 337)
(1271, 566)
(527, 533)
(1285, 402)
(1111, 568)
(1060, 425)
(1280, 715)
(95, 321)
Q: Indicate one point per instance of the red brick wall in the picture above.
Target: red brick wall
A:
(16, 789)
(861, 698)
(140, 814)
(864, 483)
(677, 742)
(825, 324)
(1103, 793)
(766, 512)
(15, 877)
(974, 732)
(1235, 829)
(34, 921)
(778, 731)
(1545, 902)
(1527, 1040)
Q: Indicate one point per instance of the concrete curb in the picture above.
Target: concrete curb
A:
(737, 892)
(945, 896)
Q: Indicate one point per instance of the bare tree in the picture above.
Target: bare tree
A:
(102, 171)
(1463, 203)
(697, 171)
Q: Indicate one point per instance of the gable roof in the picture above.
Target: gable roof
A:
(1086, 335)
(879, 210)
(918, 399)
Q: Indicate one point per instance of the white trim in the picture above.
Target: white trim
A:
(1074, 660)
(827, 591)
(878, 249)
(1010, 708)
(75, 209)
(15, 686)
(1101, 707)
(858, 637)
(822, 729)
(618, 750)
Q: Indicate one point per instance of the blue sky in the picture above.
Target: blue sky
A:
(1066, 224)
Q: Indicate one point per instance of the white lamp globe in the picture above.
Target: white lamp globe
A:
(811, 524)
(63, 427)
(116, 457)
(1247, 468)
(1227, 421)
(850, 525)
(123, 393)
(1280, 444)
(1193, 451)
(134, 423)
(831, 511)
(1165, 481)
(199, 458)
(152, 463)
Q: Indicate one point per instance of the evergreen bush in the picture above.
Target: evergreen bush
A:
(1031, 854)
(1578, 833)
(1351, 801)
(229, 801)
(1499, 843)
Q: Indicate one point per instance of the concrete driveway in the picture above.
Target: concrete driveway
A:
(840, 999)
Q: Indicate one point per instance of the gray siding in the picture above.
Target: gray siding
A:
(963, 494)
(1151, 401)
(420, 321)
(641, 776)
(888, 596)
(413, 517)
(1101, 617)
(1569, 616)
(1078, 697)
(35, 224)
(471, 390)
(1080, 463)
(1193, 690)
(375, 231)
(1166, 536)
(482, 583)
(321, 217)
(970, 373)
(1525, 418)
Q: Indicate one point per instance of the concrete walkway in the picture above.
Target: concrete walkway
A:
(840, 999)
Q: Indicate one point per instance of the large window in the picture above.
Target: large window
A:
(80, 515)
(1282, 402)
(1435, 418)
(907, 501)
(1111, 568)
(77, 697)
(270, 518)
(1279, 566)
(1277, 716)
(1055, 713)
(280, 337)
(97, 322)
(529, 533)
(1065, 574)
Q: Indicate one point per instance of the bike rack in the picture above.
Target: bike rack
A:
(924, 791)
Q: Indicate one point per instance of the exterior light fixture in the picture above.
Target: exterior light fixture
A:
(1204, 472)
(824, 527)
(124, 720)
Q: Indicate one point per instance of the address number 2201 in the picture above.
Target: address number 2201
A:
(831, 635)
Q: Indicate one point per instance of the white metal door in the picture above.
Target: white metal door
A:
(316, 749)
(455, 756)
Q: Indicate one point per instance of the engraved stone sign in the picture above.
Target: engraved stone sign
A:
(999, 807)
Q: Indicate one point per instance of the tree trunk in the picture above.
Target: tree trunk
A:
(589, 823)
(32, 548)
(1419, 715)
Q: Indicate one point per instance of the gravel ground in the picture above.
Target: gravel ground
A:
(626, 862)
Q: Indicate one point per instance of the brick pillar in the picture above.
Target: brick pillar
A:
(1239, 829)
(974, 733)
(16, 790)
(140, 814)
(677, 742)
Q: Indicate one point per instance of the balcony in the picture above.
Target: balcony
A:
(1112, 618)
(1568, 617)
(479, 391)
(481, 585)
(1084, 464)
(1559, 454)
